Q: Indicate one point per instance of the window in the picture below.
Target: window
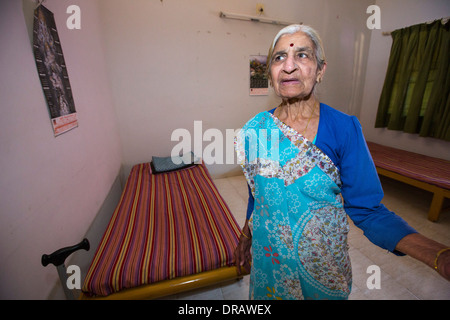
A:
(415, 95)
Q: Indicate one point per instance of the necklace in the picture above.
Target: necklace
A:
(310, 117)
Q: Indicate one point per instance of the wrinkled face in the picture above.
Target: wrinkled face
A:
(294, 67)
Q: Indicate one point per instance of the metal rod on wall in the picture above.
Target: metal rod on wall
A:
(443, 21)
(256, 19)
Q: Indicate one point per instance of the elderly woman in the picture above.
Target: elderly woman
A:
(308, 167)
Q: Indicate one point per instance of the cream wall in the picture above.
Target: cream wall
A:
(395, 15)
(50, 188)
(173, 62)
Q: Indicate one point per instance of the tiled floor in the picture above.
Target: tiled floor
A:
(401, 277)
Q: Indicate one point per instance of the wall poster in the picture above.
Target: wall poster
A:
(259, 84)
(53, 72)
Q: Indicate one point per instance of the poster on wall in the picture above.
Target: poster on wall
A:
(53, 72)
(259, 84)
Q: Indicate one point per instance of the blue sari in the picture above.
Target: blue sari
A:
(299, 226)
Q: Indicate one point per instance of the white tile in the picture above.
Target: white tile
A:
(214, 293)
(237, 290)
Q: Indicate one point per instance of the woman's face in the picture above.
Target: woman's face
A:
(294, 67)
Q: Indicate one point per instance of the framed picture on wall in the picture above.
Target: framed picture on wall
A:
(52, 72)
(259, 84)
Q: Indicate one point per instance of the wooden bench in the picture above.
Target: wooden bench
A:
(428, 173)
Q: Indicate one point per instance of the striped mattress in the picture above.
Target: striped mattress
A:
(166, 225)
(420, 167)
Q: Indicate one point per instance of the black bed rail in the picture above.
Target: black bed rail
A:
(58, 258)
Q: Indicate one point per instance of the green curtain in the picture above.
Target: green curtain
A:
(416, 91)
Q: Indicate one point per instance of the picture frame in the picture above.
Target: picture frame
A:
(52, 72)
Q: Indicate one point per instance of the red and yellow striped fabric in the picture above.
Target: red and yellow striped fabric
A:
(165, 226)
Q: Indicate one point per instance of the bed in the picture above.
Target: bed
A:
(425, 172)
(171, 232)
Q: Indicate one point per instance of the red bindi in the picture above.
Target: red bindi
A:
(291, 44)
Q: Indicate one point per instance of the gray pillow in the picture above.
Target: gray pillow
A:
(167, 164)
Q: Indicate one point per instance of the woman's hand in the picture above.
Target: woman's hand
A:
(425, 250)
(242, 253)
(443, 265)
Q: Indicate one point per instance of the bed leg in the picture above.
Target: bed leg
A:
(436, 205)
(58, 257)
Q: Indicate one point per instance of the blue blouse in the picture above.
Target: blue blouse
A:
(340, 136)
